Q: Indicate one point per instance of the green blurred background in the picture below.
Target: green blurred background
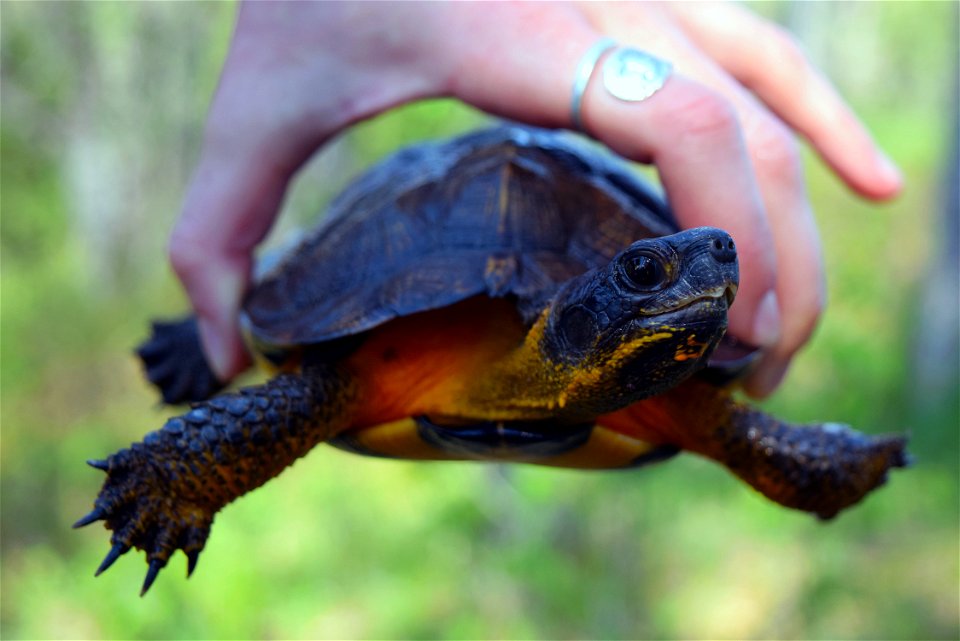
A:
(102, 106)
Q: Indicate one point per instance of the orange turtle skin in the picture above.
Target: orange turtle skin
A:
(506, 296)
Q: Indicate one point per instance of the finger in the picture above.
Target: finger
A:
(210, 249)
(230, 205)
(688, 130)
(777, 166)
(693, 136)
(295, 74)
(768, 60)
(800, 278)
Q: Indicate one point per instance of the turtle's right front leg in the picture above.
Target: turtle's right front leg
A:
(161, 494)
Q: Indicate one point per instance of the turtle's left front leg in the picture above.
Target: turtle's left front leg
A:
(819, 468)
(161, 494)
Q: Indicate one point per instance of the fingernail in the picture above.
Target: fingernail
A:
(766, 325)
(220, 338)
(765, 379)
(215, 350)
(889, 171)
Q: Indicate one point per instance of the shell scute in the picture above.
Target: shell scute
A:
(510, 211)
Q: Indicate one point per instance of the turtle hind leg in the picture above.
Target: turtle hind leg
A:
(174, 362)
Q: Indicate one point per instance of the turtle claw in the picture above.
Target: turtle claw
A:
(192, 557)
(155, 566)
(99, 464)
(97, 514)
(118, 550)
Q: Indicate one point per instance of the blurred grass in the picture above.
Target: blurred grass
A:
(102, 108)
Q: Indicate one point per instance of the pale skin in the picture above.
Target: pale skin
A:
(722, 132)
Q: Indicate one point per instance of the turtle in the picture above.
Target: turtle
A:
(513, 294)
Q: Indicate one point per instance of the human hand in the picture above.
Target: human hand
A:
(720, 131)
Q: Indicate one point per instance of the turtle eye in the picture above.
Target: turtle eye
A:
(644, 272)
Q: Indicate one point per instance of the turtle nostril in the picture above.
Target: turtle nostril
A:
(723, 250)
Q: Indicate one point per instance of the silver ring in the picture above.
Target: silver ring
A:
(582, 78)
(633, 75)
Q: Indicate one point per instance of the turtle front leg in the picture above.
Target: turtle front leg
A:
(161, 494)
(818, 468)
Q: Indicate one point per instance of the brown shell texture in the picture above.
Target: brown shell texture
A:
(510, 211)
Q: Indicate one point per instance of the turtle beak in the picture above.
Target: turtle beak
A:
(730, 294)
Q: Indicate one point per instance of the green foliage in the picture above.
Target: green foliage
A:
(102, 105)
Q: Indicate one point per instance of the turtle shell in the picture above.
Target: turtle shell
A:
(508, 212)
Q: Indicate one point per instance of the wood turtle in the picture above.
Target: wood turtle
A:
(509, 295)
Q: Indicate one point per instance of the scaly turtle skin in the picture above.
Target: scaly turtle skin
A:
(509, 295)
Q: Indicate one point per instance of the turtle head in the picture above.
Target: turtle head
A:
(643, 323)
